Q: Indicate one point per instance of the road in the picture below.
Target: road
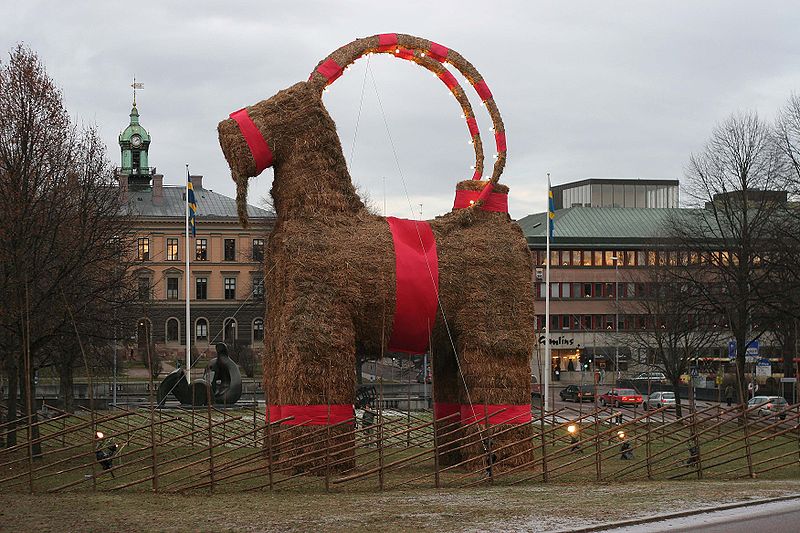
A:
(776, 516)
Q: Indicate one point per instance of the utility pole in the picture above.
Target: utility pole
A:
(615, 258)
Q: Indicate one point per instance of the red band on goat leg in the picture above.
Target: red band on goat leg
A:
(494, 201)
(476, 175)
(497, 414)
(312, 415)
(258, 146)
(438, 52)
(443, 410)
(416, 284)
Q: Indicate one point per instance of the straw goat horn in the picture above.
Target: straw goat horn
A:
(332, 67)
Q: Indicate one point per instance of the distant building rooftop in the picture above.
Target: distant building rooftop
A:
(617, 192)
(173, 204)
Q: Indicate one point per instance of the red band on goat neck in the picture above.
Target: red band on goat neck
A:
(311, 415)
(259, 148)
(416, 284)
(497, 414)
(494, 201)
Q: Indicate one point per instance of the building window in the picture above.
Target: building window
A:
(201, 330)
(201, 288)
(172, 288)
(144, 289)
(173, 328)
(230, 288)
(143, 249)
(230, 250)
(172, 249)
(258, 330)
(258, 249)
(587, 290)
(229, 330)
(258, 288)
(201, 250)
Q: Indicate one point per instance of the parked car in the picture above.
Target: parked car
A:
(619, 397)
(650, 376)
(769, 405)
(577, 393)
(658, 400)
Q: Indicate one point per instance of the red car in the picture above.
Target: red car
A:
(619, 397)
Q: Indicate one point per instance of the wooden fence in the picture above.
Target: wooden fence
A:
(234, 449)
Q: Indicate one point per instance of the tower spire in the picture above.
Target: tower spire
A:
(135, 86)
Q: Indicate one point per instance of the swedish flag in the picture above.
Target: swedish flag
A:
(551, 210)
(192, 205)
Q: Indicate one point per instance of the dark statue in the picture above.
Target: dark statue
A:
(221, 383)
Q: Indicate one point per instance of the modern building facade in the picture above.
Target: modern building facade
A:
(599, 260)
(225, 273)
(617, 192)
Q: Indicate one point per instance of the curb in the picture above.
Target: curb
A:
(682, 514)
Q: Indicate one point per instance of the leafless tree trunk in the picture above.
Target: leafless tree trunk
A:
(62, 234)
(736, 181)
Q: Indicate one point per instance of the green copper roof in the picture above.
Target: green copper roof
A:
(134, 128)
(602, 225)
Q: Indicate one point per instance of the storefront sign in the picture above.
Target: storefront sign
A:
(559, 341)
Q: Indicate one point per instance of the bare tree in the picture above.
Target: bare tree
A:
(63, 243)
(732, 240)
(673, 325)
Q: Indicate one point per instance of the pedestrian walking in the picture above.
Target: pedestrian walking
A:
(729, 395)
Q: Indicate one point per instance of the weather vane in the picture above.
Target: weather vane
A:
(135, 86)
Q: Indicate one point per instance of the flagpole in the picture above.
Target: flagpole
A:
(188, 369)
(548, 362)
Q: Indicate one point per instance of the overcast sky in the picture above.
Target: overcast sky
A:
(586, 89)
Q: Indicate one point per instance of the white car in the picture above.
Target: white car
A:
(769, 405)
(651, 376)
(658, 400)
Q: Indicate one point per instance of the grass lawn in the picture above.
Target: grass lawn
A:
(535, 507)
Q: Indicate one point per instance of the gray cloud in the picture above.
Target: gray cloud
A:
(586, 88)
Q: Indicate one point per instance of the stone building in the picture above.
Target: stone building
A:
(226, 278)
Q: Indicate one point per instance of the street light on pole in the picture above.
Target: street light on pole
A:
(615, 258)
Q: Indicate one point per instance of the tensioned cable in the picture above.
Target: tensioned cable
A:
(358, 117)
(427, 263)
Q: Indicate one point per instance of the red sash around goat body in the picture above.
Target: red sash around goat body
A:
(416, 284)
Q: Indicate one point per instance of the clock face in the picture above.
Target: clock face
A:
(136, 140)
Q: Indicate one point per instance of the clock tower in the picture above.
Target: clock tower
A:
(134, 142)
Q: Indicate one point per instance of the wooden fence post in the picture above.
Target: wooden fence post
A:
(545, 477)
(210, 438)
(380, 434)
(647, 448)
(597, 454)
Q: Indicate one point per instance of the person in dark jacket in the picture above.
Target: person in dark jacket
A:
(729, 395)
